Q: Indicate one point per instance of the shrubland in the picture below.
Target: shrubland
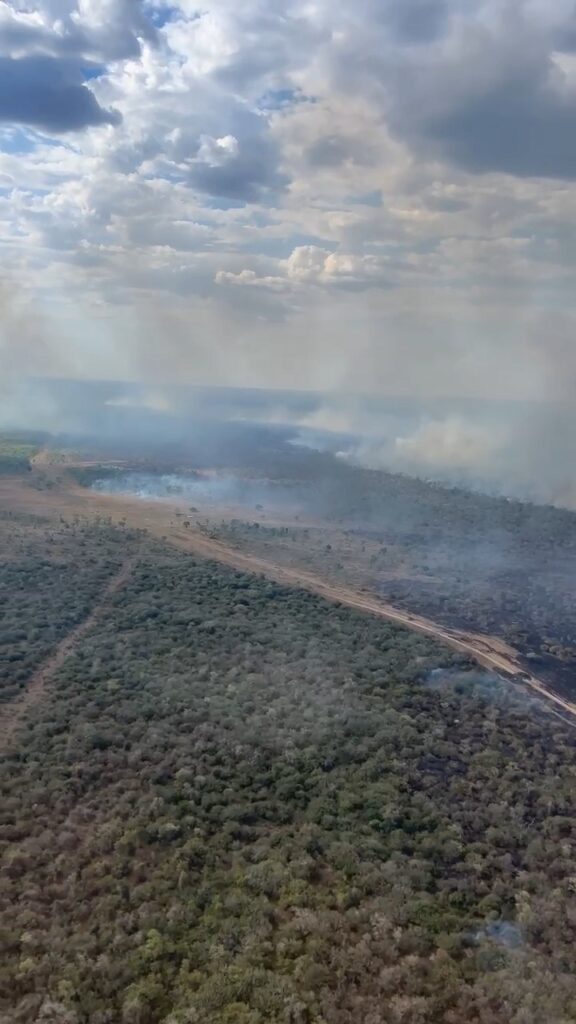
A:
(240, 804)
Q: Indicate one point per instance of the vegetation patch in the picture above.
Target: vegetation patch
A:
(239, 804)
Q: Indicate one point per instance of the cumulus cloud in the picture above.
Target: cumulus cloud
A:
(372, 196)
(47, 55)
(88, 29)
(486, 88)
(48, 93)
(311, 265)
(319, 266)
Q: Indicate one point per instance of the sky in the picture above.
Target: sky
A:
(371, 196)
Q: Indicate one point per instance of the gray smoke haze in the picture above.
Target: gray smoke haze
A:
(372, 200)
(531, 458)
(525, 450)
(199, 490)
(502, 933)
(25, 341)
(488, 687)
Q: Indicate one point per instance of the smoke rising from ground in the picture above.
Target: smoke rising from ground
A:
(490, 688)
(522, 450)
(319, 201)
(502, 933)
(519, 450)
(221, 488)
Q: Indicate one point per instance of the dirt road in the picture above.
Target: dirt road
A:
(488, 651)
(157, 518)
(11, 714)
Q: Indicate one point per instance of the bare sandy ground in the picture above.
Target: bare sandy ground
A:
(158, 519)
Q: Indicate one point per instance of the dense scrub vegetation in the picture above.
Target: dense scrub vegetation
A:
(48, 584)
(240, 804)
(525, 597)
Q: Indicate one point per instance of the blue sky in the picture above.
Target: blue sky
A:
(373, 196)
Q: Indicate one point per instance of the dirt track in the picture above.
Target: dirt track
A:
(157, 518)
(12, 713)
(487, 651)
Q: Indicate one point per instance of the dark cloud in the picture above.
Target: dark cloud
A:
(445, 204)
(416, 21)
(44, 66)
(334, 150)
(520, 126)
(235, 159)
(47, 93)
(248, 175)
(475, 83)
(116, 38)
(565, 36)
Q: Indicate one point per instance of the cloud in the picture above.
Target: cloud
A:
(46, 56)
(249, 279)
(522, 121)
(243, 170)
(484, 88)
(310, 265)
(370, 196)
(92, 30)
(48, 94)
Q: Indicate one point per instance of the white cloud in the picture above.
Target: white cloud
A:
(327, 192)
(310, 265)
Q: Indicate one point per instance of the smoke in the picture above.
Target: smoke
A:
(517, 450)
(198, 489)
(502, 933)
(25, 343)
(446, 446)
(154, 401)
(465, 679)
(488, 687)
(450, 443)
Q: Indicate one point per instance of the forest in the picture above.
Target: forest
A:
(49, 580)
(237, 803)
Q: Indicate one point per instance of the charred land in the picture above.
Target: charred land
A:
(467, 560)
